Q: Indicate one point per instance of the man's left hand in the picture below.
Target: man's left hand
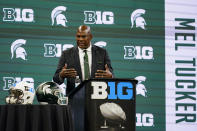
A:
(103, 73)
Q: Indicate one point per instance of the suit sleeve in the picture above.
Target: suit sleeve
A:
(62, 61)
(108, 62)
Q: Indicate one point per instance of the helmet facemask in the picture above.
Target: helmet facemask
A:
(15, 97)
(21, 93)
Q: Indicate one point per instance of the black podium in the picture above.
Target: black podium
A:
(104, 105)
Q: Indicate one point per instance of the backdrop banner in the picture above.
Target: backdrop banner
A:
(153, 41)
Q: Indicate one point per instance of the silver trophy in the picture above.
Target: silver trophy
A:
(113, 113)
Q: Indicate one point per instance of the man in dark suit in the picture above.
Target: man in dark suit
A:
(85, 60)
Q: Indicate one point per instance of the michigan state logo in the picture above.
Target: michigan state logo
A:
(17, 50)
(140, 87)
(137, 19)
(57, 16)
(101, 44)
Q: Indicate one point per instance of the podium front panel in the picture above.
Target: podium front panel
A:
(110, 105)
(104, 105)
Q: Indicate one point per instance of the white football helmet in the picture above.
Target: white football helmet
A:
(21, 93)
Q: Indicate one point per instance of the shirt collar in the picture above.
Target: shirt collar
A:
(88, 49)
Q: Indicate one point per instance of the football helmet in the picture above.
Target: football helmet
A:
(50, 93)
(21, 93)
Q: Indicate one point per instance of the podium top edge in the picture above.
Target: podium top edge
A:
(102, 79)
(114, 79)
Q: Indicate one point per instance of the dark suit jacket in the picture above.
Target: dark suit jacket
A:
(71, 58)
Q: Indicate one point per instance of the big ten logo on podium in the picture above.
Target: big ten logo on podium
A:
(98, 17)
(9, 81)
(138, 52)
(55, 50)
(18, 15)
(112, 90)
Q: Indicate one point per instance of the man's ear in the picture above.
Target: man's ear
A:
(91, 36)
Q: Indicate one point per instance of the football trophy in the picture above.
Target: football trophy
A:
(112, 113)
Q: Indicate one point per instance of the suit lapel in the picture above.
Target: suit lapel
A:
(93, 61)
(78, 66)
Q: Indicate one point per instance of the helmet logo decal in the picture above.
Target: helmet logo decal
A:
(47, 90)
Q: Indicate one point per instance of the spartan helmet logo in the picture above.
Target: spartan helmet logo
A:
(16, 48)
(56, 15)
(140, 88)
(67, 46)
(101, 44)
(137, 19)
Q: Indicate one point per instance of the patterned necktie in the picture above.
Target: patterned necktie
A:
(86, 66)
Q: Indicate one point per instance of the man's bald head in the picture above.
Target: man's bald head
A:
(84, 28)
(83, 36)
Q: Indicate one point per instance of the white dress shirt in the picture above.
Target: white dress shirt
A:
(81, 59)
